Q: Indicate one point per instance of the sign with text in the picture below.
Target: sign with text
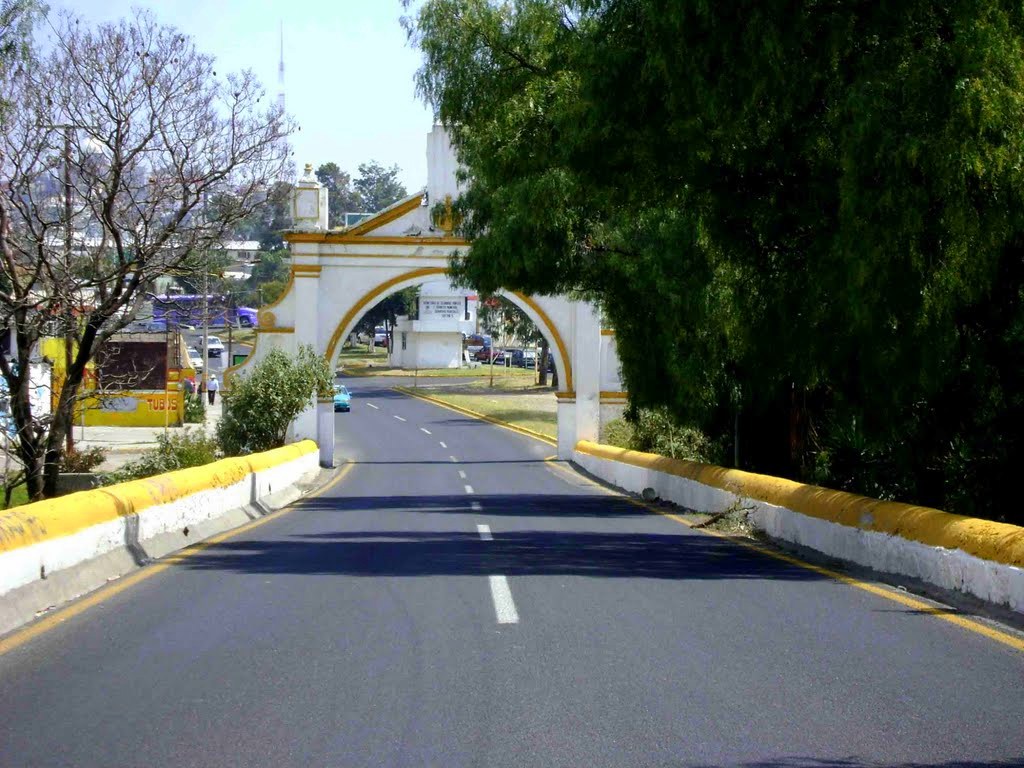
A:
(442, 309)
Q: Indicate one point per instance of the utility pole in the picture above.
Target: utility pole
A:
(206, 321)
(69, 442)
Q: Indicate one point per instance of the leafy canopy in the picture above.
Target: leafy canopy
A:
(804, 221)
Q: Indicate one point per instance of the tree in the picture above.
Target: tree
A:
(386, 311)
(816, 254)
(16, 21)
(141, 131)
(501, 317)
(341, 196)
(263, 403)
(378, 187)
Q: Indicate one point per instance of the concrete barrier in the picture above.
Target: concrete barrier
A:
(980, 557)
(55, 550)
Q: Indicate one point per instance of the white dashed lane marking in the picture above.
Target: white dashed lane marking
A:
(399, 418)
(376, 408)
(504, 605)
(443, 445)
(469, 489)
(485, 532)
(427, 431)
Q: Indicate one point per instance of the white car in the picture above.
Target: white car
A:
(214, 343)
(195, 359)
(216, 346)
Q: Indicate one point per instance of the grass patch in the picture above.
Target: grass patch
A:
(535, 410)
(19, 497)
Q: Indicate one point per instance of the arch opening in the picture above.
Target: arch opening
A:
(528, 305)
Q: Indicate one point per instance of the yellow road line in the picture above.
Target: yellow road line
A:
(20, 637)
(971, 625)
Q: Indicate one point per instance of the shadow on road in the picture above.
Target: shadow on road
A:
(853, 762)
(411, 553)
(525, 505)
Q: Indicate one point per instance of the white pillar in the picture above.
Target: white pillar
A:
(586, 366)
(309, 214)
(566, 427)
(307, 328)
(325, 431)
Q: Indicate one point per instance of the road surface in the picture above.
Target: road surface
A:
(457, 601)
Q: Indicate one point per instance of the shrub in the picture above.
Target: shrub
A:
(260, 405)
(619, 433)
(195, 408)
(82, 460)
(189, 448)
(654, 431)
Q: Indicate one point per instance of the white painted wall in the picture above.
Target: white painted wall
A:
(945, 568)
(51, 572)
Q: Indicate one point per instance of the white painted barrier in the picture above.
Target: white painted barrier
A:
(885, 536)
(59, 549)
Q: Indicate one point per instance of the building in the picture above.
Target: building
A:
(135, 381)
(434, 339)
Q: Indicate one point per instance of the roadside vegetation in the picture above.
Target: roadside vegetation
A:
(261, 404)
(813, 261)
(138, 178)
(174, 450)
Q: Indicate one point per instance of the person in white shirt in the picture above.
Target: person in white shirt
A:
(211, 388)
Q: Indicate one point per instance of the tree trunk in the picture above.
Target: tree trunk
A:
(545, 353)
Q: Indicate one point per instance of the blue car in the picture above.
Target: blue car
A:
(342, 398)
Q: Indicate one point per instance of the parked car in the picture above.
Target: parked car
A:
(195, 359)
(215, 345)
(380, 336)
(485, 355)
(474, 342)
(147, 326)
(342, 398)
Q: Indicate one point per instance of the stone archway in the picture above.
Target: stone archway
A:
(337, 275)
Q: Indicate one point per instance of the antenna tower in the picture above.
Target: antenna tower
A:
(280, 72)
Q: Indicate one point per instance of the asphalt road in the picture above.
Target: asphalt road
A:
(380, 625)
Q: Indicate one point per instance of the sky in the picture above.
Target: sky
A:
(348, 70)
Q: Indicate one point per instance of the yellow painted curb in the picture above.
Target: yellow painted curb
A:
(50, 519)
(482, 416)
(989, 540)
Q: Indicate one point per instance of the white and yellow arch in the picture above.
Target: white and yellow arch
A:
(337, 275)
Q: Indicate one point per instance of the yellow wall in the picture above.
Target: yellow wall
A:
(139, 408)
(148, 408)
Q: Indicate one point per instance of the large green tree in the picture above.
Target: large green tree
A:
(803, 220)
(342, 197)
(378, 187)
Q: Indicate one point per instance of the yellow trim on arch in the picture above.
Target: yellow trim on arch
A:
(359, 306)
(232, 369)
(344, 237)
(423, 272)
(385, 217)
(568, 383)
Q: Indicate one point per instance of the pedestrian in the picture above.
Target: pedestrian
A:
(211, 388)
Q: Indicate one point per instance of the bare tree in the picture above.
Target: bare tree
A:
(113, 143)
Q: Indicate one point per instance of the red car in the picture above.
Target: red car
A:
(485, 354)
